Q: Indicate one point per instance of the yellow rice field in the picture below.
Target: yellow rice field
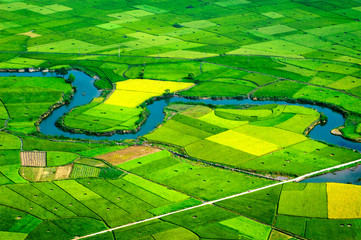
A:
(128, 98)
(344, 201)
(244, 143)
(270, 134)
(133, 92)
(152, 86)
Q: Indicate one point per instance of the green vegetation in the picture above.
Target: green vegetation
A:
(264, 139)
(60, 158)
(298, 51)
(261, 205)
(30, 97)
(305, 200)
(193, 179)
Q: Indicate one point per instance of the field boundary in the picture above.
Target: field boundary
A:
(221, 199)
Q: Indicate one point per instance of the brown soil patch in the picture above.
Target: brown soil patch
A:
(63, 172)
(30, 34)
(127, 154)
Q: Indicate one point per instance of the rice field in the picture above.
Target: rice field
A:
(271, 142)
(244, 143)
(132, 93)
(343, 201)
(276, 50)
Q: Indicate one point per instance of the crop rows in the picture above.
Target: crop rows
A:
(33, 159)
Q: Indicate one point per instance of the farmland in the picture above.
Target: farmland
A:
(122, 110)
(28, 98)
(261, 139)
(141, 56)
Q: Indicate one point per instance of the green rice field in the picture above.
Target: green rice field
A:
(186, 170)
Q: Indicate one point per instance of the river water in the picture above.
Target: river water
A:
(86, 91)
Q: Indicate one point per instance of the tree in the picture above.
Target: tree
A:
(71, 78)
(177, 25)
(61, 71)
(141, 74)
(190, 76)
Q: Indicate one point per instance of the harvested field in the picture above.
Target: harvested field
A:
(30, 34)
(63, 172)
(33, 159)
(127, 154)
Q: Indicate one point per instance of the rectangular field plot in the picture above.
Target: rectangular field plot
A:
(275, 48)
(199, 124)
(129, 153)
(335, 29)
(70, 46)
(130, 99)
(343, 201)
(167, 135)
(346, 83)
(184, 54)
(13, 235)
(273, 15)
(232, 3)
(297, 123)
(151, 9)
(33, 159)
(275, 29)
(335, 68)
(244, 143)
(214, 152)
(244, 114)
(186, 129)
(14, 6)
(215, 88)
(304, 200)
(248, 227)
(8, 141)
(109, 26)
(77, 190)
(58, 8)
(151, 163)
(195, 111)
(82, 171)
(63, 172)
(277, 136)
(199, 24)
(41, 10)
(157, 189)
(171, 71)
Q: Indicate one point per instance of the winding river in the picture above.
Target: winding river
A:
(86, 91)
